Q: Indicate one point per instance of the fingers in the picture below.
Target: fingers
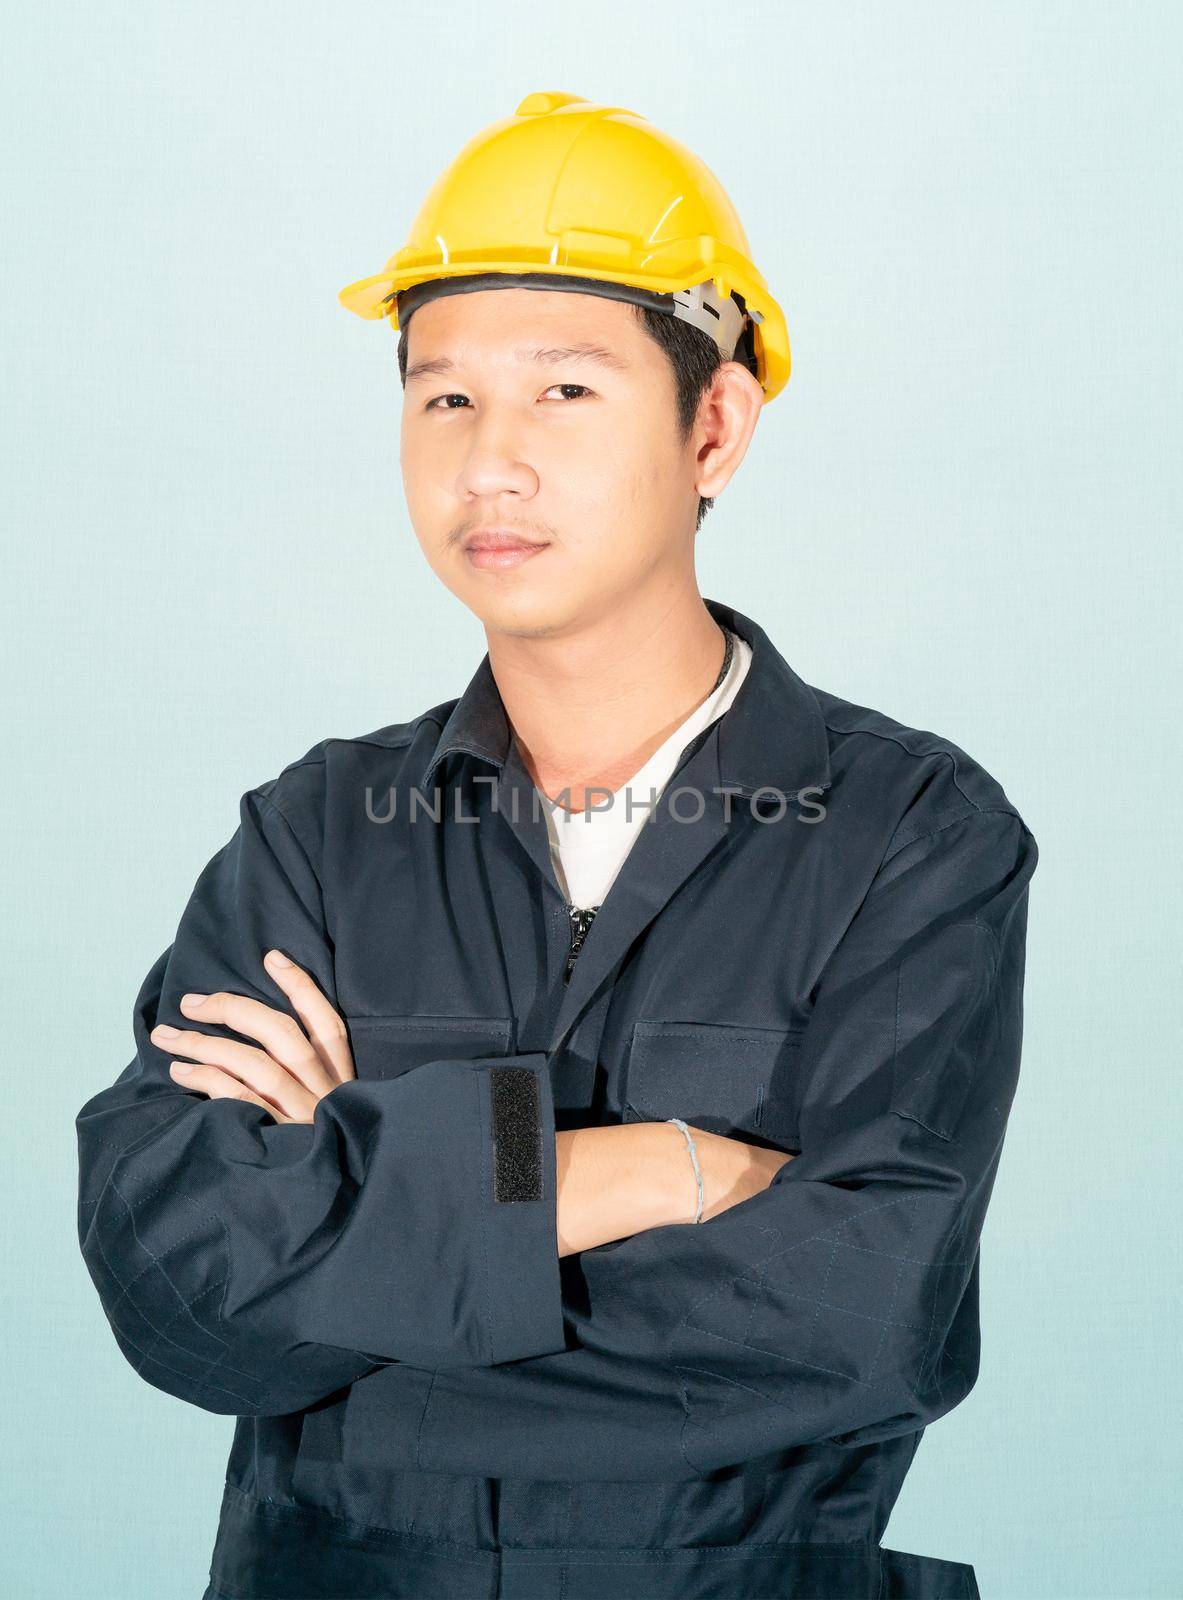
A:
(280, 1035)
(221, 1085)
(325, 1027)
(254, 1069)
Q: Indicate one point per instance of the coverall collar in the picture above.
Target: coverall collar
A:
(772, 738)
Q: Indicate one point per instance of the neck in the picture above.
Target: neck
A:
(589, 705)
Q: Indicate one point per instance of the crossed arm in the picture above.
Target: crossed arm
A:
(611, 1182)
(253, 1259)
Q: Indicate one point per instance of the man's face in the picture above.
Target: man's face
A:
(580, 456)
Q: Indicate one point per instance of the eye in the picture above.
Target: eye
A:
(434, 405)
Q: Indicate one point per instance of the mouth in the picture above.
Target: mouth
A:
(496, 549)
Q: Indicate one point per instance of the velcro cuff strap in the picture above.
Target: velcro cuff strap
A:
(517, 1134)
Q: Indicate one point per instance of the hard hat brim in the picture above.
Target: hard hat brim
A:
(373, 298)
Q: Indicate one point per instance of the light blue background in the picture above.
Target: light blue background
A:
(963, 510)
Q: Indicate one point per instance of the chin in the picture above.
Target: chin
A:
(525, 610)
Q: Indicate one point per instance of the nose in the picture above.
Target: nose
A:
(493, 462)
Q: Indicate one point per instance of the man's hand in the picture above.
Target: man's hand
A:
(291, 1073)
(623, 1178)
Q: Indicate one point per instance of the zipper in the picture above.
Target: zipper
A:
(581, 918)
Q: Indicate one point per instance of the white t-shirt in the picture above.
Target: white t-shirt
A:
(588, 848)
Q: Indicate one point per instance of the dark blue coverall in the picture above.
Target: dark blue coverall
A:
(816, 943)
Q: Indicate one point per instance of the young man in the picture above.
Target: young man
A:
(562, 1127)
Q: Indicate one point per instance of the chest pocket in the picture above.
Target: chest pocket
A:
(729, 1080)
(384, 1047)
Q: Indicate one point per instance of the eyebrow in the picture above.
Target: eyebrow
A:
(547, 355)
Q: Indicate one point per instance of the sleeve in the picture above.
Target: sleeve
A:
(252, 1267)
(840, 1305)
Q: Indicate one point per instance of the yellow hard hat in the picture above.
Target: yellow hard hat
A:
(567, 194)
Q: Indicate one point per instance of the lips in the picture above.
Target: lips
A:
(495, 549)
(499, 539)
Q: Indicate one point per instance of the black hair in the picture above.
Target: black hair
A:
(692, 354)
(695, 358)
